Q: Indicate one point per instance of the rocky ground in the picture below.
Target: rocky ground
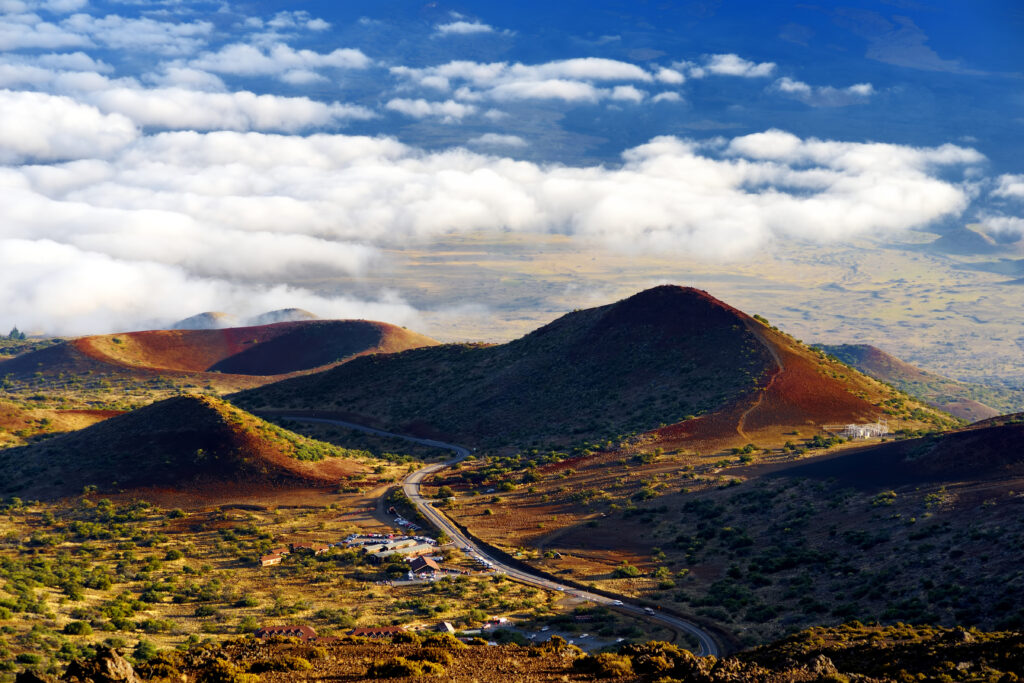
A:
(852, 652)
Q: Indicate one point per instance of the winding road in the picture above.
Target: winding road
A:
(411, 486)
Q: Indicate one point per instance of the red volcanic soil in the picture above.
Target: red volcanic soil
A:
(265, 350)
(185, 443)
(673, 311)
(798, 393)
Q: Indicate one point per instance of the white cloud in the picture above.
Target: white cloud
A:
(734, 65)
(1010, 186)
(185, 99)
(628, 93)
(174, 219)
(824, 96)
(176, 108)
(73, 61)
(584, 68)
(276, 60)
(1012, 226)
(64, 6)
(497, 140)
(569, 80)
(65, 290)
(143, 34)
(296, 20)
(188, 78)
(44, 127)
(463, 28)
(448, 110)
(667, 97)
(670, 76)
(30, 31)
(302, 77)
(551, 89)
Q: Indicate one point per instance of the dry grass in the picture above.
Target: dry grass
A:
(192, 576)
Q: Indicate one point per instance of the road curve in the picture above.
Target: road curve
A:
(411, 487)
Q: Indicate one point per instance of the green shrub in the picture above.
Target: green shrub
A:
(144, 651)
(626, 570)
(77, 628)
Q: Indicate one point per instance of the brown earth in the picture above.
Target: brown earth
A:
(194, 443)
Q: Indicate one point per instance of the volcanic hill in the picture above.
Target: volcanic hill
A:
(187, 442)
(970, 402)
(229, 358)
(653, 361)
(208, 320)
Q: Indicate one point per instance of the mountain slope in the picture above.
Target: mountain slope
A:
(988, 450)
(921, 530)
(657, 358)
(184, 442)
(965, 400)
(233, 357)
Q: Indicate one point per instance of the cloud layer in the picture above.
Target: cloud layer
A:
(239, 215)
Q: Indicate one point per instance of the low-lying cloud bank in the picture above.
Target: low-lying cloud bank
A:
(142, 228)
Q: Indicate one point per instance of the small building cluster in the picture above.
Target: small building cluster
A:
(277, 554)
(865, 431)
(380, 546)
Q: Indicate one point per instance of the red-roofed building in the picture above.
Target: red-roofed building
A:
(301, 632)
(423, 565)
(272, 558)
(377, 631)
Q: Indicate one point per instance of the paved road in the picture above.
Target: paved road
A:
(411, 487)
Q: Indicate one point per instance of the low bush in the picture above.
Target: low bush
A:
(77, 628)
(399, 667)
(443, 640)
(605, 665)
(281, 663)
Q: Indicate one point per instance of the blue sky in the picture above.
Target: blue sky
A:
(224, 151)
